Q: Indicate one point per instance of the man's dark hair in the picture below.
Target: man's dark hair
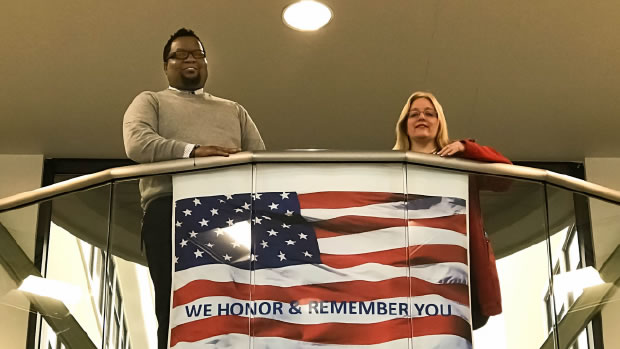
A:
(179, 33)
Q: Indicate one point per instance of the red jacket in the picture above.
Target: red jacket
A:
(485, 291)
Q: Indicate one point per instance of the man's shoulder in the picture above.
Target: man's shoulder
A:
(148, 95)
(220, 100)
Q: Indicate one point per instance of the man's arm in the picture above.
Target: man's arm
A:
(250, 137)
(140, 133)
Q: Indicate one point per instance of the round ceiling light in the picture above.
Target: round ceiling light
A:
(307, 15)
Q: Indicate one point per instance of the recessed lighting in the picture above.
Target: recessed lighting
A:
(307, 15)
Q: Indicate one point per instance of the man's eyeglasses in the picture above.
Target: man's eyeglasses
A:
(198, 54)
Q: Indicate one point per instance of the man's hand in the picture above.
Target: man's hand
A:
(452, 149)
(212, 150)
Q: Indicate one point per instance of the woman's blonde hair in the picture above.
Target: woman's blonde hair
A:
(402, 138)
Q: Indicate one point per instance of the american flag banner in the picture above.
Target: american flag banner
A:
(318, 267)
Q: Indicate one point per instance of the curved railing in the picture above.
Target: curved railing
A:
(186, 165)
(545, 228)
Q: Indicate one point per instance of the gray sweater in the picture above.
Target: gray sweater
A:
(159, 125)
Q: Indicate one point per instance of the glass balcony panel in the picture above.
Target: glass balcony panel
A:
(331, 251)
(132, 319)
(540, 247)
(514, 219)
(17, 238)
(212, 300)
(436, 215)
(586, 284)
(77, 254)
(66, 301)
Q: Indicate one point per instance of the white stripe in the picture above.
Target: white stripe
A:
(389, 238)
(235, 341)
(387, 210)
(309, 274)
(437, 306)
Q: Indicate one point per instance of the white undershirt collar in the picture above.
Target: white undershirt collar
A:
(195, 92)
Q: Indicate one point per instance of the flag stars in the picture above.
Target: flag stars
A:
(289, 242)
(272, 232)
(193, 234)
(303, 236)
(282, 256)
(183, 243)
(253, 258)
(238, 210)
(256, 196)
(214, 212)
(285, 226)
(221, 201)
(235, 244)
(228, 197)
(187, 212)
(227, 257)
(257, 220)
(198, 253)
(210, 245)
(219, 231)
(178, 224)
(204, 223)
(273, 206)
(230, 222)
(289, 213)
(246, 206)
(264, 244)
(176, 260)
(267, 218)
(284, 195)
(307, 254)
(197, 202)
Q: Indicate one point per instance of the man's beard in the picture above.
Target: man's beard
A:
(191, 82)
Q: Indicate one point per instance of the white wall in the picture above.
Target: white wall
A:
(18, 173)
(606, 236)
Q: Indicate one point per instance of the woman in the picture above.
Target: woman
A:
(422, 128)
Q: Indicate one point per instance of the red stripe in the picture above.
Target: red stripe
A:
(457, 223)
(326, 333)
(418, 255)
(346, 199)
(434, 325)
(345, 225)
(354, 224)
(357, 291)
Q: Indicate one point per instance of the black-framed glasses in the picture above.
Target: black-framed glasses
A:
(198, 54)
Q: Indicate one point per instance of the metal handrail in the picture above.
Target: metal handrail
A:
(307, 156)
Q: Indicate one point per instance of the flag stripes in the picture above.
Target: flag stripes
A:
(339, 258)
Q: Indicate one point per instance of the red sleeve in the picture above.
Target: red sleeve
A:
(475, 151)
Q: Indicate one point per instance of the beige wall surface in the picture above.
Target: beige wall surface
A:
(19, 173)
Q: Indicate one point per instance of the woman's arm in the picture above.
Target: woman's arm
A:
(475, 151)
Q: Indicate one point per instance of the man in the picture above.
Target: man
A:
(179, 122)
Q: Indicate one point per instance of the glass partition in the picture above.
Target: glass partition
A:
(515, 221)
(585, 256)
(385, 252)
(17, 251)
(66, 299)
(130, 308)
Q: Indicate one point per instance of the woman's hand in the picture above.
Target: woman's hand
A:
(452, 149)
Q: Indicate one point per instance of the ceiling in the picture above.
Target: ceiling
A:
(538, 80)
